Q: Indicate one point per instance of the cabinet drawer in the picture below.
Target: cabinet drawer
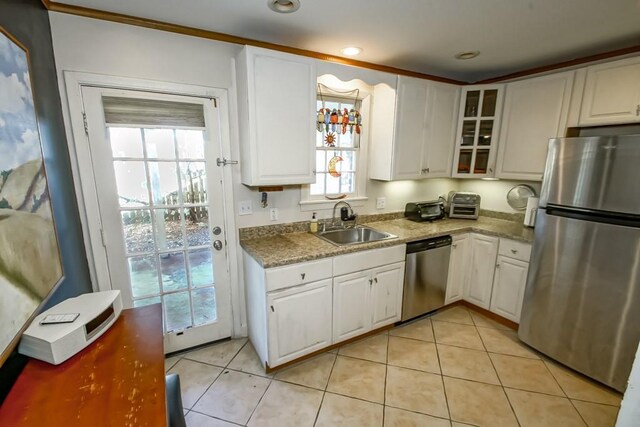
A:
(516, 250)
(345, 264)
(298, 274)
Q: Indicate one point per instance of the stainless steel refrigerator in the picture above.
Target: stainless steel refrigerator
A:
(582, 300)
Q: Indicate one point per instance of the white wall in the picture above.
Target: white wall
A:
(494, 193)
(630, 407)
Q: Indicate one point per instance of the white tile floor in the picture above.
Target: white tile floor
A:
(455, 368)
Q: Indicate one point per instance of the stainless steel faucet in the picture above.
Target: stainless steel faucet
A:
(348, 216)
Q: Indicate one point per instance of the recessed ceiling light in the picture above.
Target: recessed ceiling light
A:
(351, 51)
(284, 6)
(468, 55)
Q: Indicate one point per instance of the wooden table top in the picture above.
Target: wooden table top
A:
(118, 380)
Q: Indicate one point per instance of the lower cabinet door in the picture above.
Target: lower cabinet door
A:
(386, 294)
(508, 288)
(458, 268)
(484, 251)
(351, 313)
(299, 321)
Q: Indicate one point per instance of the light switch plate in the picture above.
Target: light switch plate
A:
(381, 202)
(273, 214)
(245, 207)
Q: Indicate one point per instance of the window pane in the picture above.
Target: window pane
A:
(348, 161)
(348, 183)
(482, 159)
(464, 162)
(190, 144)
(168, 228)
(138, 234)
(320, 138)
(131, 181)
(126, 142)
(468, 132)
(160, 143)
(143, 274)
(197, 223)
(164, 183)
(333, 185)
(484, 136)
(346, 140)
(174, 272)
(177, 311)
(489, 102)
(321, 162)
(471, 105)
(194, 178)
(201, 267)
(204, 306)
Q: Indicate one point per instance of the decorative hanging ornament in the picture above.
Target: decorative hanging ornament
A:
(358, 121)
(320, 120)
(330, 139)
(334, 119)
(352, 119)
(332, 166)
(345, 121)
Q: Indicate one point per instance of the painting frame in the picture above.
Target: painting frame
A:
(45, 294)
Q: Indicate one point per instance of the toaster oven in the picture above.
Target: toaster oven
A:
(463, 205)
(424, 211)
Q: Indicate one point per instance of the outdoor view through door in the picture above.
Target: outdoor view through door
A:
(160, 196)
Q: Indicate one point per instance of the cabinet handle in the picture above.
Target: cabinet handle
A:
(375, 279)
(427, 170)
(302, 275)
(454, 245)
(491, 170)
(272, 309)
(370, 282)
(514, 251)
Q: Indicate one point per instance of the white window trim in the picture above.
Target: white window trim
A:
(312, 203)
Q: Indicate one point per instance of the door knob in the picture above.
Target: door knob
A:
(217, 245)
(216, 230)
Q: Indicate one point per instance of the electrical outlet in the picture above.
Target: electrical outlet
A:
(245, 207)
(273, 214)
(381, 202)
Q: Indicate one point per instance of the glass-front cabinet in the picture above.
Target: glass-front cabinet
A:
(478, 124)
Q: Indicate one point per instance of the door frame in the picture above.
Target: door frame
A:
(84, 183)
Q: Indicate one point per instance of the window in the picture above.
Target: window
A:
(337, 154)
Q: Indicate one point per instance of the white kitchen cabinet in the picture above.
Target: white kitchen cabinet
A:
(477, 134)
(277, 115)
(413, 129)
(458, 268)
(534, 110)
(366, 300)
(484, 251)
(386, 295)
(508, 287)
(612, 93)
(351, 305)
(299, 321)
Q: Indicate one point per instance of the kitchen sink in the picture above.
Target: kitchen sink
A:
(353, 236)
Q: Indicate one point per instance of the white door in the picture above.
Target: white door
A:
(484, 250)
(160, 195)
(299, 321)
(351, 314)
(386, 294)
(458, 268)
(508, 288)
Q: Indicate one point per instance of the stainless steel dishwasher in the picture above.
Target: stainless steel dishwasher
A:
(425, 276)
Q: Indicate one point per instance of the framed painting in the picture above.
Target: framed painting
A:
(30, 263)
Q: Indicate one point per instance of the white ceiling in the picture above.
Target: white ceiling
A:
(417, 35)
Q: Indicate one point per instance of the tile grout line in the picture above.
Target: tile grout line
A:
(216, 418)
(259, 401)
(324, 393)
(444, 388)
(386, 370)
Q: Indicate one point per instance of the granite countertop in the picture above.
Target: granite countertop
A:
(291, 248)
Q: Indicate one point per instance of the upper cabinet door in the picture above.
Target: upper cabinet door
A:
(612, 93)
(535, 110)
(442, 110)
(410, 126)
(276, 105)
(478, 124)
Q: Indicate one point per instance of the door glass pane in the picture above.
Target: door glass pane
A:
(126, 142)
(174, 272)
(164, 183)
(464, 162)
(472, 102)
(177, 311)
(482, 159)
(197, 226)
(468, 132)
(190, 144)
(193, 176)
(131, 180)
(204, 306)
(160, 144)
(143, 274)
(489, 103)
(168, 228)
(201, 267)
(138, 233)
(486, 128)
